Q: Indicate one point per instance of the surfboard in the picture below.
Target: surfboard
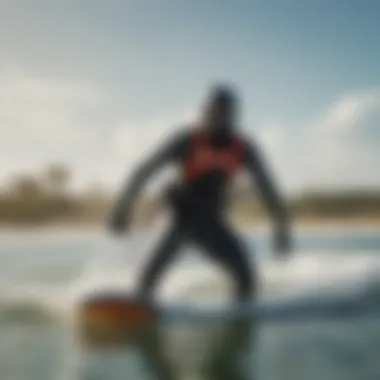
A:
(118, 305)
(113, 319)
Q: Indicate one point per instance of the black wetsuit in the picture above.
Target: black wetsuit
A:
(199, 212)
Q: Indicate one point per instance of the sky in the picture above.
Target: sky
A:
(97, 84)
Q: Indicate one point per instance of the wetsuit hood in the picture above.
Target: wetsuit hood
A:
(222, 111)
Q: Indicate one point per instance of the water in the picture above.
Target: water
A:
(40, 275)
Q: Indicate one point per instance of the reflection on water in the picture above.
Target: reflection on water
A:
(35, 336)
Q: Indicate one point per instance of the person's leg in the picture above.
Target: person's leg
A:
(224, 246)
(227, 249)
(151, 344)
(163, 255)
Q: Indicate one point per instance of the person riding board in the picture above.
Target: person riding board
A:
(208, 156)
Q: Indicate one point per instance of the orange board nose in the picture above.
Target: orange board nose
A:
(113, 321)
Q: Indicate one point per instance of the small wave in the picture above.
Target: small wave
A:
(26, 312)
(310, 273)
(372, 288)
(33, 305)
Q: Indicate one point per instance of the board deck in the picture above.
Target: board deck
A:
(343, 305)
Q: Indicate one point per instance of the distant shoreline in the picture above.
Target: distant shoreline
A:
(299, 224)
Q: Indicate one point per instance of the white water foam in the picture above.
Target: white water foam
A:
(303, 272)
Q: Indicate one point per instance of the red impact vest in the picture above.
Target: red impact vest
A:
(205, 158)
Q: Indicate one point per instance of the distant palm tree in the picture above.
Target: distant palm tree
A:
(26, 187)
(57, 178)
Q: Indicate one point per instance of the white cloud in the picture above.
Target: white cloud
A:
(44, 120)
(340, 148)
(132, 139)
(345, 142)
(40, 106)
(347, 113)
(272, 137)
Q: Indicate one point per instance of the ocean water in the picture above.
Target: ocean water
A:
(41, 274)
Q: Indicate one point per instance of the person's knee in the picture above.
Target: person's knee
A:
(242, 272)
(245, 284)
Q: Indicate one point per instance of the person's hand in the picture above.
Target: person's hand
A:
(282, 241)
(118, 222)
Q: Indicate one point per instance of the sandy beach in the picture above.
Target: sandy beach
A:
(304, 223)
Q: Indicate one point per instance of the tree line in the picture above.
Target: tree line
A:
(47, 197)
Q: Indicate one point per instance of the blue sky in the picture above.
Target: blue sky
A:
(97, 83)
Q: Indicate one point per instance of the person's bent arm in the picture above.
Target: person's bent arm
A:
(165, 155)
(269, 193)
